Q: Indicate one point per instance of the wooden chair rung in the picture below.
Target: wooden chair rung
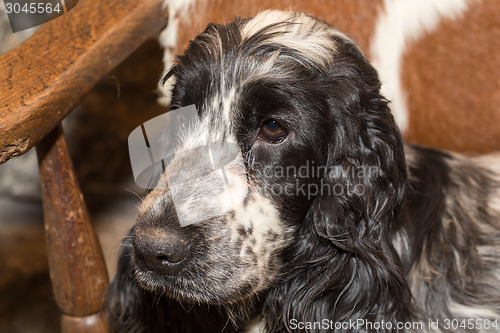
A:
(77, 268)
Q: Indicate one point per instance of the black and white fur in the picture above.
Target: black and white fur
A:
(420, 242)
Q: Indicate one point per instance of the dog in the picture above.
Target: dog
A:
(335, 225)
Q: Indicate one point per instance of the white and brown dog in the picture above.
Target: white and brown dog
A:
(336, 226)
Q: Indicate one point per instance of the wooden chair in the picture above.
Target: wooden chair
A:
(41, 81)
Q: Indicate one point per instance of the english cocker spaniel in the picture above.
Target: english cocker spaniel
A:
(327, 222)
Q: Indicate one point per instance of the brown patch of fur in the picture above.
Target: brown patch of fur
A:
(452, 78)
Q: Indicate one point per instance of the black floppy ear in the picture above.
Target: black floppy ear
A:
(366, 163)
(343, 265)
(366, 172)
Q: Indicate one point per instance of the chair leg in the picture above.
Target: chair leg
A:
(77, 269)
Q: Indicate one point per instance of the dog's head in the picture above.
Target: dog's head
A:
(318, 153)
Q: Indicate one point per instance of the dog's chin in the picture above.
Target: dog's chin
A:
(190, 291)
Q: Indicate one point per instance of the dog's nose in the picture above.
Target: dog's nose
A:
(161, 250)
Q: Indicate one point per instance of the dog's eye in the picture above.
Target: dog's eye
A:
(271, 131)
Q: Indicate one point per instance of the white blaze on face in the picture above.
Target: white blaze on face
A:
(206, 177)
(211, 142)
(301, 32)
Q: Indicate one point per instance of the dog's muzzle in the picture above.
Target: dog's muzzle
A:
(199, 187)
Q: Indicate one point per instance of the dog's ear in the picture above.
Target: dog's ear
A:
(366, 176)
(344, 265)
(365, 166)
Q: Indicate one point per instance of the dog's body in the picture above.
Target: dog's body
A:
(383, 236)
